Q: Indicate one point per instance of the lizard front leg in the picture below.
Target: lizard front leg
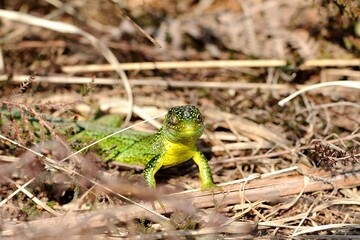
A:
(150, 169)
(204, 170)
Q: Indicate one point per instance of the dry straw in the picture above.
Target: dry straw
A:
(71, 29)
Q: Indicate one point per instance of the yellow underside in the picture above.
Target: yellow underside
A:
(177, 153)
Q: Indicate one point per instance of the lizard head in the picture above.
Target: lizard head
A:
(183, 124)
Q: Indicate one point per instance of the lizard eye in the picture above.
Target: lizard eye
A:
(199, 119)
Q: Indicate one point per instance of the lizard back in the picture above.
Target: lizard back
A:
(130, 146)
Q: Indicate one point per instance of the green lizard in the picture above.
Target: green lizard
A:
(173, 144)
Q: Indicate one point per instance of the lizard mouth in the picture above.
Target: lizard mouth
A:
(189, 134)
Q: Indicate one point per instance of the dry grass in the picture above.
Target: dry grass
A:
(286, 171)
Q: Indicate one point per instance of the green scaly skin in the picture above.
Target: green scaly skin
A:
(173, 144)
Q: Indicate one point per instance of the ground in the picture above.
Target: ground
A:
(290, 170)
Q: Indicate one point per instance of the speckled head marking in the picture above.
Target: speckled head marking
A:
(183, 123)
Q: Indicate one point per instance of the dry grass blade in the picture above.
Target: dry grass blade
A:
(16, 192)
(331, 62)
(147, 118)
(178, 65)
(303, 219)
(9, 159)
(67, 28)
(349, 84)
(327, 227)
(2, 67)
(36, 200)
(152, 82)
(210, 64)
(140, 30)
